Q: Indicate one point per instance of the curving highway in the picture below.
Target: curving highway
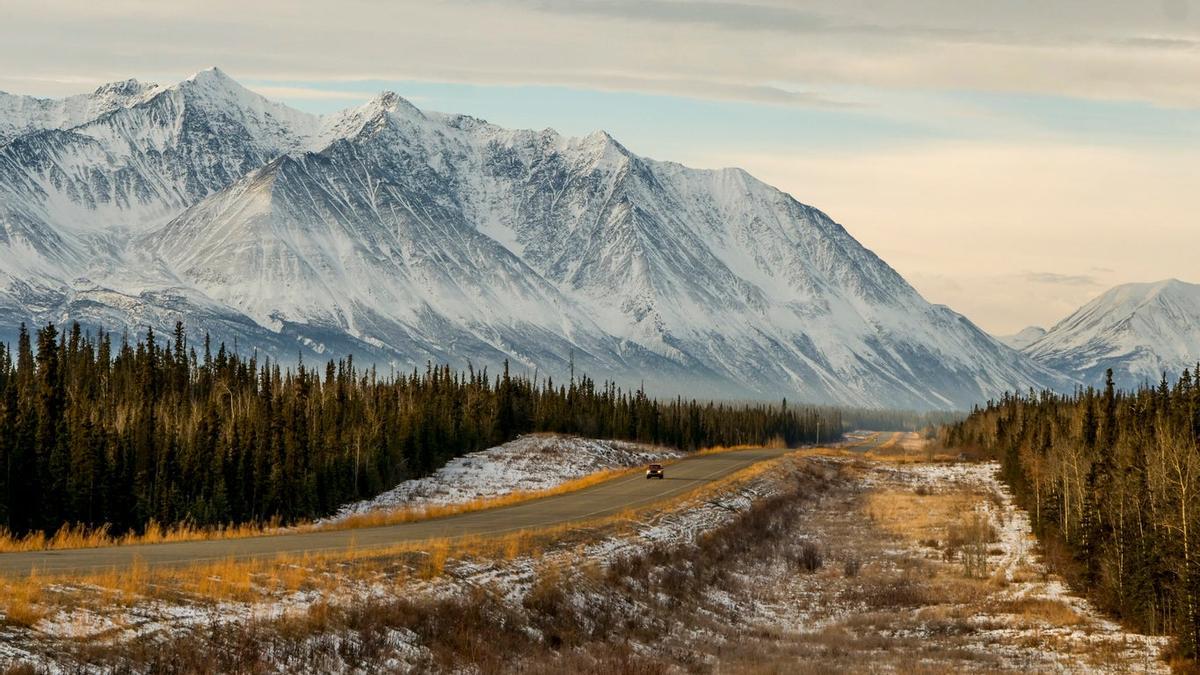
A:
(599, 500)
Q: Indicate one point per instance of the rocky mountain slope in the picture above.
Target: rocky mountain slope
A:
(404, 236)
(1142, 331)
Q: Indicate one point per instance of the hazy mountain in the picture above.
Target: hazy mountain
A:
(1141, 331)
(1024, 338)
(405, 236)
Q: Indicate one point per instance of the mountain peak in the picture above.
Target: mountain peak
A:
(125, 87)
(605, 148)
(1024, 338)
(390, 101)
(431, 237)
(210, 74)
(1137, 293)
(1173, 286)
(369, 118)
(601, 138)
(1140, 330)
(214, 80)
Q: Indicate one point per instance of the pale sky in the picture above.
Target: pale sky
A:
(1011, 159)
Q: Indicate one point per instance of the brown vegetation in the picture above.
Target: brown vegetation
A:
(730, 599)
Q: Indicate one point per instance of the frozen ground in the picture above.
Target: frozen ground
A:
(891, 592)
(155, 619)
(912, 602)
(528, 464)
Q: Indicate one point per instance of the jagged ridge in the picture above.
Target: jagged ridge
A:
(410, 235)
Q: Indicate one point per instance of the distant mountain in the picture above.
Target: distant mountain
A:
(25, 114)
(1023, 339)
(405, 236)
(1141, 331)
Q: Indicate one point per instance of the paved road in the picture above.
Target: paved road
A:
(874, 441)
(598, 500)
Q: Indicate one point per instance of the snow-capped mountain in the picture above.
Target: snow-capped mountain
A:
(25, 114)
(1024, 338)
(405, 236)
(1141, 331)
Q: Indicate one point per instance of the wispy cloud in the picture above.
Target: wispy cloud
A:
(766, 51)
(742, 16)
(1061, 279)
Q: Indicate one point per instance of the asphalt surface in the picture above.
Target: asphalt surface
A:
(599, 500)
(873, 441)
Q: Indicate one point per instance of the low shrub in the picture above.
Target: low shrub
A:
(810, 558)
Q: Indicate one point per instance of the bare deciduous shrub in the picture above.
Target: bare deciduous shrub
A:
(810, 558)
(969, 540)
(851, 567)
(551, 610)
(904, 590)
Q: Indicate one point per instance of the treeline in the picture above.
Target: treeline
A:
(873, 419)
(1113, 479)
(121, 434)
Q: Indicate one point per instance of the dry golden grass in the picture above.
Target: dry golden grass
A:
(79, 535)
(397, 516)
(435, 562)
(919, 517)
(71, 536)
(260, 578)
(22, 602)
(897, 454)
(1053, 612)
(899, 448)
(717, 449)
(890, 443)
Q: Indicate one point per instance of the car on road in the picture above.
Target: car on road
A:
(654, 471)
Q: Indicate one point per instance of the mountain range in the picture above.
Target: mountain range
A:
(405, 236)
(1141, 331)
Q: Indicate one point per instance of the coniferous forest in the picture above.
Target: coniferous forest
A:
(123, 434)
(1111, 481)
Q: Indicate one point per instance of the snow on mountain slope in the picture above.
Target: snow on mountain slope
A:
(1024, 338)
(73, 193)
(25, 114)
(305, 241)
(135, 167)
(429, 236)
(1141, 331)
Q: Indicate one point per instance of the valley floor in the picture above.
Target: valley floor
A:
(821, 561)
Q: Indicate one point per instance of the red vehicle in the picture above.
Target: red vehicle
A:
(654, 471)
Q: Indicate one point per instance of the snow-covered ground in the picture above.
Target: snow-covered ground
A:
(1016, 616)
(156, 618)
(531, 463)
(1023, 577)
(907, 604)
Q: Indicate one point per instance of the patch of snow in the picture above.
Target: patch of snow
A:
(528, 464)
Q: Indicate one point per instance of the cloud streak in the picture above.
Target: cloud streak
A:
(1053, 278)
(763, 52)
